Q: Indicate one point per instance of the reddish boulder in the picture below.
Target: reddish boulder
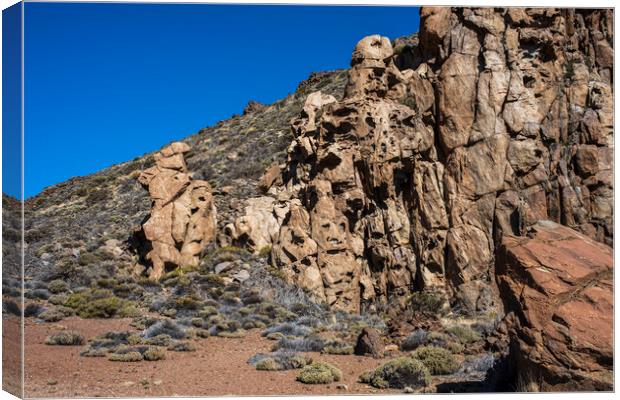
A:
(558, 283)
(369, 343)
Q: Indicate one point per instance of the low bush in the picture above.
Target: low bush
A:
(154, 354)
(58, 286)
(182, 346)
(65, 338)
(268, 364)
(132, 356)
(414, 340)
(319, 373)
(100, 303)
(165, 327)
(11, 307)
(33, 310)
(428, 302)
(398, 373)
(439, 361)
(464, 333)
(159, 340)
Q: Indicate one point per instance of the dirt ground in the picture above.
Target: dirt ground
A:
(11, 355)
(219, 367)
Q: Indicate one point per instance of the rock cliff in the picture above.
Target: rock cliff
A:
(497, 119)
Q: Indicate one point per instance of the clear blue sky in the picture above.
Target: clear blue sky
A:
(108, 82)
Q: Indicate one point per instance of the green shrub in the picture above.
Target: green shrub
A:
(131, 356)
(319, 372)
(58, 299)
(338, 350)
(207, 311)
(439, 361)
(51, 315)
(398, 373)
(264, 252)
(268, 364)
(154, 354)
(159, 340)
(100, 303)
(428, 302)
(58, 286)
(182, 346)
(464, 334)
(65, 338)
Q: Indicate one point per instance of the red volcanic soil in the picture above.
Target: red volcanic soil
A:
(219, 367)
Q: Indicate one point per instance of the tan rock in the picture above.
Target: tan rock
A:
(183, 217)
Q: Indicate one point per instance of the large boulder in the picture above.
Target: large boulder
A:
(183, 217)
(559, 285)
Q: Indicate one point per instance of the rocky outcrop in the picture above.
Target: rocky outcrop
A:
(559, 285)
(499, 118)
(183, 217)
(257, 227)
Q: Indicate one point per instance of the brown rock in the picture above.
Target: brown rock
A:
(369, 342)
(559, 285)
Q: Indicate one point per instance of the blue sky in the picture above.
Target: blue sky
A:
(108, 82)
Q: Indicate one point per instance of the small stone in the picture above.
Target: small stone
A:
(223, 266)
(342, 386)
(408, 389)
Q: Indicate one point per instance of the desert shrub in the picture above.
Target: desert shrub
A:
(11, 307)
(301, 344)
(52, 315)
(340, 349)
(464, 333)
(252, 296)
(202, 333)
(439, 361)
(65, 338)
(42, 294)
(207, 311)
(58, 286)
(274, 336)
(154, 354)
(415, 339)
(131, 356)
(264, 252)
(454, 347)
(100, 303)
(319, 373)
(289, 329)
(268, 364)
(33, 310)
(165, 327)
(398, 373)
(58, 299)
(236, 334)
(182, 346)
(159, 340)
(481, 363)
(428, 302)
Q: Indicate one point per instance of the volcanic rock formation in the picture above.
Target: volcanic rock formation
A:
(183, 215)
(499, 118)
(558, 283)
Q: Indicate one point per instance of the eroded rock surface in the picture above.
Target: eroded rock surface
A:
(498, 119)
(183, 216)
(559, 285)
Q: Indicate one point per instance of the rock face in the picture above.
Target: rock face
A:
(499, 118)
(183, 216)
(559, 285)
(257, 227)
